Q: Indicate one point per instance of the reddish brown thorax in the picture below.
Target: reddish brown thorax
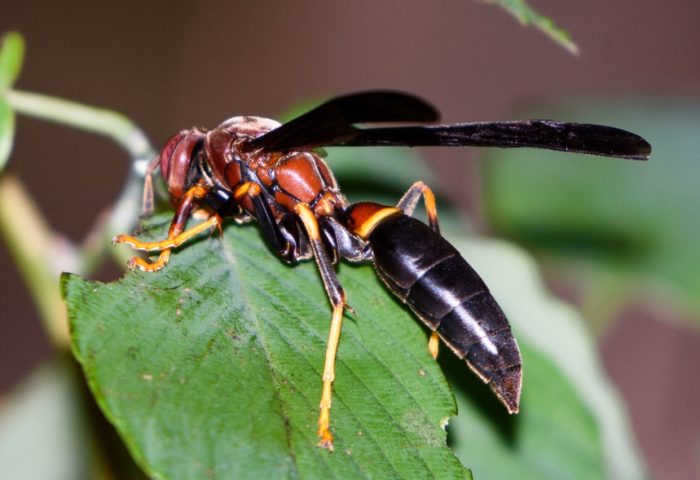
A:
(290, 177)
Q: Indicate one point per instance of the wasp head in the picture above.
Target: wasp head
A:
(178, 161)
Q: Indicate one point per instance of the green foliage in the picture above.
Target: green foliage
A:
(7, 131)
(11, 56)
(528, 16)
(635, 221)
(214, 365)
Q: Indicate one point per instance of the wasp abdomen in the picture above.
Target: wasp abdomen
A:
(428, 273)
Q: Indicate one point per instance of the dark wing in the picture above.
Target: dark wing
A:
(331, 123)
(547, 134)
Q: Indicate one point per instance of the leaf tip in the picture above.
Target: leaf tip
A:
(528, 16)
(63, 283)
(12, 47)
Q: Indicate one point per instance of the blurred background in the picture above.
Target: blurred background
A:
(171, 65)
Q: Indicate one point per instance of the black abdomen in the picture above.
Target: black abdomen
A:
(428, 273)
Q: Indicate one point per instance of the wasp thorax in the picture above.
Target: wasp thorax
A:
(249, 126)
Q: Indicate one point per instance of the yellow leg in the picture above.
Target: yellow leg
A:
(164, 246)
(324, 418)
(434, 344)
(336, 295)
(146, 266)
(176, 236)
(410, 199)
(170, 242)
(248, 189)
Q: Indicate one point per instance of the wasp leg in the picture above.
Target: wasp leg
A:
(408, 204)
(410, 199)
(336, 296)
(434, 344)
(177, 234)
(271, 230)
(147, 203)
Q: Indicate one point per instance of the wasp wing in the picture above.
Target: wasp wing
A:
(331, 123)
(546, 134)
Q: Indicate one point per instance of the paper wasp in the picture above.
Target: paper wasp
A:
(254, 168)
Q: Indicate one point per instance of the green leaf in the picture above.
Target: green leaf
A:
(7, 132)
(528, 16)
(571, 424)
(213, 367)
(188, 387)
(635, 221)
(11, 57)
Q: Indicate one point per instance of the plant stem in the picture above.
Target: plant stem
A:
(40, 255)
(77, 115)
(116, 126)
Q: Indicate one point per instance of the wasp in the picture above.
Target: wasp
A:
(253, 168)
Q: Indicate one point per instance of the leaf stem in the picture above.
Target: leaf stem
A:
(39, 253)
(77, 115)
(122, 215)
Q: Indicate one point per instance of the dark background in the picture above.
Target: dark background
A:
(169, 65)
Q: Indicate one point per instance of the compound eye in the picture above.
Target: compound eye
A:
(166, 152)
(177, 157)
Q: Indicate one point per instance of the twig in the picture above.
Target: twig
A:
(41, 253)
